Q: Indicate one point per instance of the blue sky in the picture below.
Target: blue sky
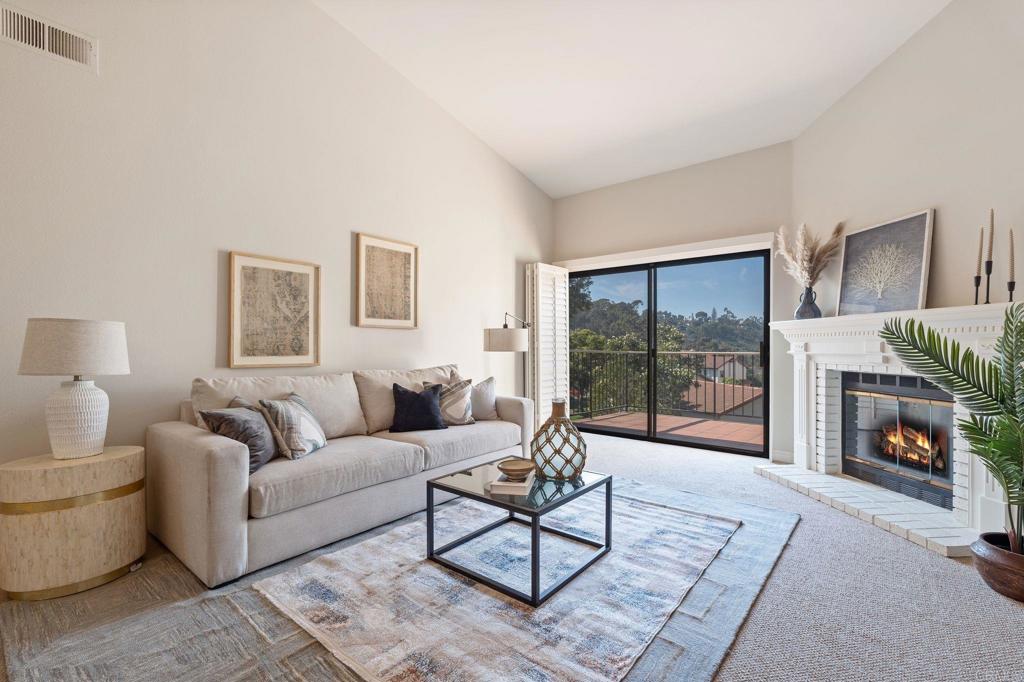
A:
(684, 289)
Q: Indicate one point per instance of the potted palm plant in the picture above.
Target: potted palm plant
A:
(993, 392)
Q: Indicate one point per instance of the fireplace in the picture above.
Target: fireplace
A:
(897, 432)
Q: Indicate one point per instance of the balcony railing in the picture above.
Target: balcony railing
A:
(689, 383)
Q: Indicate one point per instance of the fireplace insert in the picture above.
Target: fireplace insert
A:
(898, 433)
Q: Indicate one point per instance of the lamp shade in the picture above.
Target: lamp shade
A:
(506, 339)
(62, 347)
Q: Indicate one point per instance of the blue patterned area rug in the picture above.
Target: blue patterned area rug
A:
(160, 623)
(390, 615)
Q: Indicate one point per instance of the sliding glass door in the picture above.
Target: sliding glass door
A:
(609, 350)
(674, 352)
(711, 353)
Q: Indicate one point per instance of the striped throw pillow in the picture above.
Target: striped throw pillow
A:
(295, 429)
(456, 401)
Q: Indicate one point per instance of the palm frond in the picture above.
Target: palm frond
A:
(998, 445)
(992, 391)
(1009, 355)
(974, 381)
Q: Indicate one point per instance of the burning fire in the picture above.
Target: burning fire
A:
(911, 445)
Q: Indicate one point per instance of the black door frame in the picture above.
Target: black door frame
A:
(652, 347)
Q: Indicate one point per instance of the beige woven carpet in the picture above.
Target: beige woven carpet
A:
(846, 602)
(160, 623)
(391, 615)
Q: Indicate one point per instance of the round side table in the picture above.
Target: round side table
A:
(68, 525)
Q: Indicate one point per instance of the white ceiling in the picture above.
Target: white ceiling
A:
(579, 94)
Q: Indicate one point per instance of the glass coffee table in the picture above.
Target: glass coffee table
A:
(545, 496)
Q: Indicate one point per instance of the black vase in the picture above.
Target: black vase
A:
(807, 310)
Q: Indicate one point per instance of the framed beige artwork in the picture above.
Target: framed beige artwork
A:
(387, 289)
(274, 312)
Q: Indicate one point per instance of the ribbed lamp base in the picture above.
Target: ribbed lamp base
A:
(76, 418)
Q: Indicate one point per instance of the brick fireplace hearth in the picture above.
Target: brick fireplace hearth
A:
(954, 506)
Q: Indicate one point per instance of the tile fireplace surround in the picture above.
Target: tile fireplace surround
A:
(822, 350)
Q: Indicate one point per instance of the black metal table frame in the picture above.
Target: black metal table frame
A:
(537, 595)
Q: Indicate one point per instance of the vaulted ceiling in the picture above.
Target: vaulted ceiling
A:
(579, 94)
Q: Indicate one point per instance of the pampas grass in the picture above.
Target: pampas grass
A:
(808, 257)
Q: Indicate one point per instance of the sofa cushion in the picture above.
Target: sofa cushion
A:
(341, 466)
(376, 395)
(332, 398)
(457, 443)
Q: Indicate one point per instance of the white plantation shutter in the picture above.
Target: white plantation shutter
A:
(547, 301)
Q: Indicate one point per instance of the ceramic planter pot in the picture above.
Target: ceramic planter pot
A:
(808, 309)
(1002, 569)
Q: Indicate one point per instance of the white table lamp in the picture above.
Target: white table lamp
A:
(508, 339)
(76, 413)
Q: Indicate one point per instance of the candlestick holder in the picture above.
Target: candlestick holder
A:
(1010, 286)
(988, 280)
(977, 288)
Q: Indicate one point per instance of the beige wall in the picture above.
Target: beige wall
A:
(272, 130)
(218, 126)
(745, 194)
(939, 124)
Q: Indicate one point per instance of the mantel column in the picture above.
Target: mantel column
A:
(804, 385)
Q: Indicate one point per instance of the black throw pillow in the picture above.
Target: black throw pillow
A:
(417, 411)
(244, 422)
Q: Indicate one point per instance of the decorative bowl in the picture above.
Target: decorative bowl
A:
(516, 469)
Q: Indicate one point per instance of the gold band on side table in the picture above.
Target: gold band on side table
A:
(73, 588)
(15, 508)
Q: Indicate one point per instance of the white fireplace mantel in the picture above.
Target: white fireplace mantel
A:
(823, 347)
(855, 337)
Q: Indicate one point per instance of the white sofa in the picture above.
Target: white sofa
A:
(223, 523)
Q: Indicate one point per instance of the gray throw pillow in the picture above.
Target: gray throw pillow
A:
(485, 406)
(244, 422)
(295, 429)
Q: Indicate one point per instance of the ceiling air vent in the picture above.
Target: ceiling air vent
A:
(32, 32)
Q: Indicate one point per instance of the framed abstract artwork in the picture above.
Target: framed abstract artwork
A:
(387, 289)
(274, 312)
(885, 267)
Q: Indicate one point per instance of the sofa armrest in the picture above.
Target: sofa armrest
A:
(197, 498)
(518, 411)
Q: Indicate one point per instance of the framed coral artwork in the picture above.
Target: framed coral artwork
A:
(387, 276)
(885, 267)
(274, 312)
